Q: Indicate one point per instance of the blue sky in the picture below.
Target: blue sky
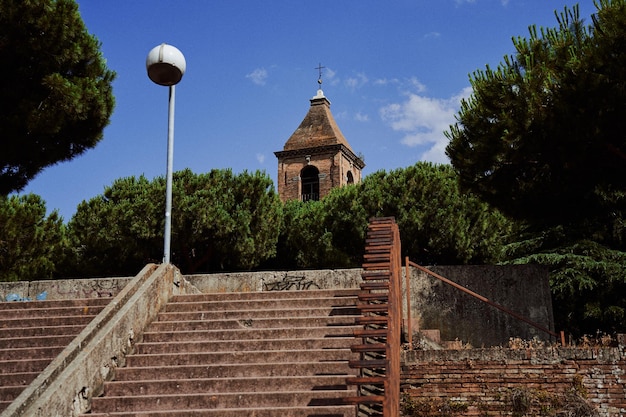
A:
(394, 73)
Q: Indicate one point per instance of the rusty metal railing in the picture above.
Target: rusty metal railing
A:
(380, 309)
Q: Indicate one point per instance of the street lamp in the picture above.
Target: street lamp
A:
(166, 66)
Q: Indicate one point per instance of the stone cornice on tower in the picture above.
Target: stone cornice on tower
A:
(358, 161)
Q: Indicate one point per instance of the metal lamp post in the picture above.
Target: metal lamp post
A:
(166, 66)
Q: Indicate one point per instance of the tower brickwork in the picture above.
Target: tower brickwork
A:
(317, 157)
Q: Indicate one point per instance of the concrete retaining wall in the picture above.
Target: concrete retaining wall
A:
(277, 280)
(65, 289)
(434, 305)
(523, 289)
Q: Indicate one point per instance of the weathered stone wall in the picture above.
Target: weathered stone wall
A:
(521, 382)
(277, 280)
(65, 289)
(434, 305)
(524, 289)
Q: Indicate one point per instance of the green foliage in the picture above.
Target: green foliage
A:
(323, 234)
(542, 133)
(541, 139)
(55, 89)
(226, 221)
(31, 244)
(118, 232)
(438, 224)
(587, 279)
(304, 241)
(219, 221)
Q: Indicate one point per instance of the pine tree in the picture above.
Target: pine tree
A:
(55, 89)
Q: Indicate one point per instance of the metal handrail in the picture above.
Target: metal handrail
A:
(526, 320)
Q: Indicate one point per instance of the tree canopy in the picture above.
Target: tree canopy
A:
(31, 243)
(541, 137)
(438, 223)
(55, 89)
(220, 221)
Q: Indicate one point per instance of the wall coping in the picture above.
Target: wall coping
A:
(550, 355)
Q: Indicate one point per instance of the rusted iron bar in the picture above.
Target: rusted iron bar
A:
(409, 322)
(380, 306)
(391, 405)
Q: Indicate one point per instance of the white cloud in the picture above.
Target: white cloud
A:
(330, 76)
(432, 35)
(417, 85)
(360, 117)
(359, 80)
(342, 115)
(423, 120)
(385, 81)
(258, 76)
(260, 158)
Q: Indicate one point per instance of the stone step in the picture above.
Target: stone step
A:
(237, 357)
(245, 370)
(41, 352)
(36, 341)
(6, 333)
(230, 296)
(4, 404)
(78, 302)
(8, 393)
(242, 334)
(251, 323)
(348, 310)
(241, 354)
(260, 304)
(216, 400)
(28, 321)
(26, 365)
(60, 311)
(221, 385)
(246, 344)
(33, 333)
(313, 411)
(12, 379)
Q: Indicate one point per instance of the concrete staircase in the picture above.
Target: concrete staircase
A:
(33, 333)
(260, 354)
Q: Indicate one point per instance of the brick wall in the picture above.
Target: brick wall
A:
(515, 382)
(333, 165)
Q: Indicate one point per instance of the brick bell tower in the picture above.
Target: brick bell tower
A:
(317, 157)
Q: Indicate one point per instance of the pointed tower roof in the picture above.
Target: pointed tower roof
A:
(318, 128)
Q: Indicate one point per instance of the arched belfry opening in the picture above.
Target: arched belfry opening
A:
(317, 146)
(310, 180)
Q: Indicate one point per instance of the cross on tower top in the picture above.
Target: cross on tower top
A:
(319, 69)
